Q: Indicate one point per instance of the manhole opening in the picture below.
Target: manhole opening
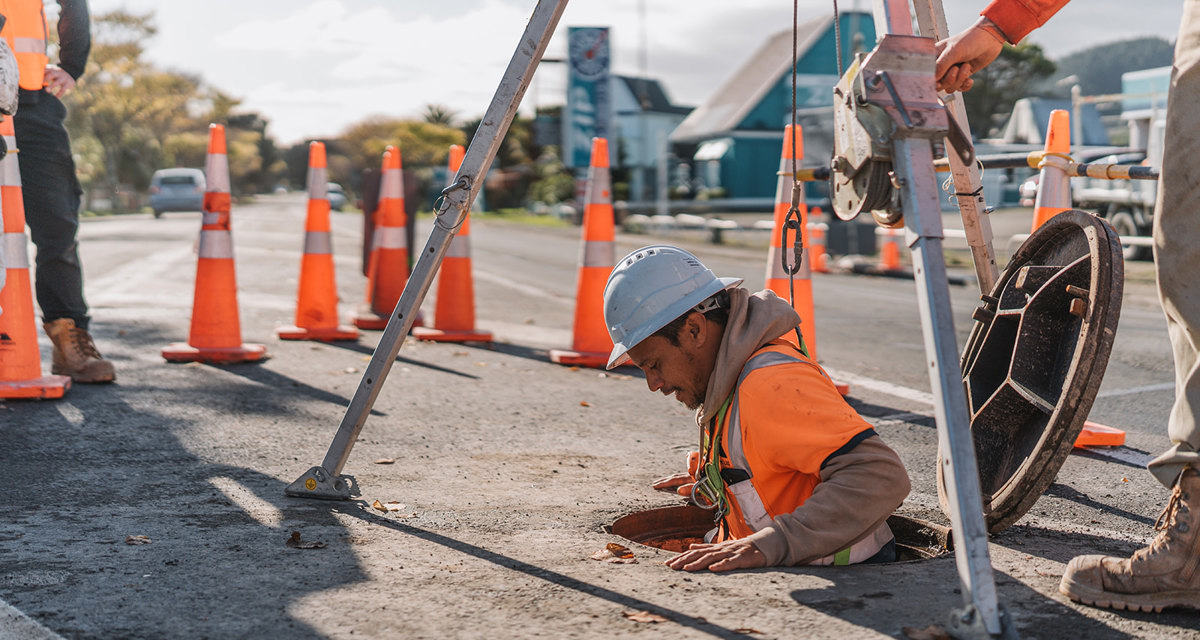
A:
(674, 528)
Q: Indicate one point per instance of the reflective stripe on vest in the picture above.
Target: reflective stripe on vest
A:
(749, 501)
(16, 251)
(25, 31)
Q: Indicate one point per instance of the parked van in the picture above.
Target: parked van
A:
(176, 190)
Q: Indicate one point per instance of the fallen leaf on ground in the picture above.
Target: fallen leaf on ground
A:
(615, 554)
(643, 616)
(932, 632)
(392, 505)
(746, 630)
(295, 542)
(386, 461)
(137, 539)
(584, 403)
(618, 550)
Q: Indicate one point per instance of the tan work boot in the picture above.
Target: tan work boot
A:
(1165, 574)
(75, 354)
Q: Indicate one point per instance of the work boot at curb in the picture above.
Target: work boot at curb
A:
(75, 354)
(1165, 574)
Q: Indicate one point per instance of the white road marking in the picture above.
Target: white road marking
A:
(894, 390)
(15, 625)
(1121, 454)
(1162, 386)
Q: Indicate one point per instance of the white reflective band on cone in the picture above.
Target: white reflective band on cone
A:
(775, 266)
(216, 173)
(392, 185)
(209, 217)
(16, 251)
(318, 242)
(599, 187)
(390, 238)
(598, 254)
(460, 247)
(216, 244)
(318, 186)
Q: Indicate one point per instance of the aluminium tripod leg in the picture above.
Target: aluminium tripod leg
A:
(968, 184)
(982, 614)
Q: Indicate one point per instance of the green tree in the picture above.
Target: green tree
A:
(999, 86)
(128, 118)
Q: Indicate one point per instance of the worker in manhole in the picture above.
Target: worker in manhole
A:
(792, 473)
(1167, 572)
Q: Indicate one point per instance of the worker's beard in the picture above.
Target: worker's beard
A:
(693, 395)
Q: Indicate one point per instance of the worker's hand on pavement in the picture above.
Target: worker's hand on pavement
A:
(58, 82)
(722, 556)
(680, 483)
(963, 54)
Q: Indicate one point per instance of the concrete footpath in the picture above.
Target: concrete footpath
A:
(155, 507)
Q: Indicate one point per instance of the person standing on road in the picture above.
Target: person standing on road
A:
(49, 185)
(1167, 572)
(794, 474)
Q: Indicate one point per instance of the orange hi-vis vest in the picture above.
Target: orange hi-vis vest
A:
(798, 422)
(25, 31)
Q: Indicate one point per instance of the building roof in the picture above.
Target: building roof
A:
(1031, 117)
(652, 96)
(730, 103)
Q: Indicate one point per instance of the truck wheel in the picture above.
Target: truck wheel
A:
(1124, 224)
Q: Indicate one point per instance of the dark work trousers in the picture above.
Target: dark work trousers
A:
(52, 194)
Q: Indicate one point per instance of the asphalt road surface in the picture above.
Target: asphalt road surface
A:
(506, 468)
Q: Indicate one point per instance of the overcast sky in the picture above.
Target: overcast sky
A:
(312, 67)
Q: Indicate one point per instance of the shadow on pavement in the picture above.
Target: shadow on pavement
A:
(887, 598)
(368, 350)
(108, 464)
(1067, 492)
(359, 510)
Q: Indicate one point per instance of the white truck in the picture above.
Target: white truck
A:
(1129, 204)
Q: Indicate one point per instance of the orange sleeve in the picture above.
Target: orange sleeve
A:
(1016, 18)
(798, 418)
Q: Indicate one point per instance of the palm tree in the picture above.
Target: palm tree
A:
(439, 114)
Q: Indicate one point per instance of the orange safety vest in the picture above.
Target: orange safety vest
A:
(25, 31)
(755, 490)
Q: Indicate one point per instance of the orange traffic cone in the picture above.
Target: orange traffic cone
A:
(454, 310)
(889, 252)
(592, 343)
(387, 267)
(1054, 184)
(216, 333)
(316, 300)
(1098, 435)
(1054, 197)
(20, 361)
(817, 231)
(776, 277)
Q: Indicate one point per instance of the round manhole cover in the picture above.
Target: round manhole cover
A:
(1035, 359)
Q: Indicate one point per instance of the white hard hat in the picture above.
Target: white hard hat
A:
(651, 287)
